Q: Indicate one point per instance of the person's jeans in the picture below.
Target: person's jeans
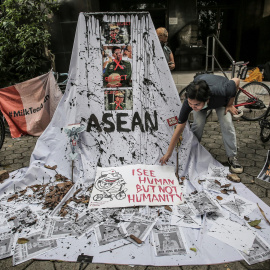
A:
(226, 126)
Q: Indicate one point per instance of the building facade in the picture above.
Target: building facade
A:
(242, 27)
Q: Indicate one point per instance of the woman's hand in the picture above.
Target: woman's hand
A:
(175, 138)
(231, 109)
(165, 158)
(171, 65)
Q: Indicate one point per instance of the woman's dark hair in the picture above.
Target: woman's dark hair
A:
(198, 90)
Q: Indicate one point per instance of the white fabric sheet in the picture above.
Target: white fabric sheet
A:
(154, 92)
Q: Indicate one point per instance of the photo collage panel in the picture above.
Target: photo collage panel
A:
(117, 66)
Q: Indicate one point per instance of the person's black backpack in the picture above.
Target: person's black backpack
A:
(266, 73)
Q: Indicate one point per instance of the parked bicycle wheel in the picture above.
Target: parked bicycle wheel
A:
(182, 96)
(2, 131)
(257, 110)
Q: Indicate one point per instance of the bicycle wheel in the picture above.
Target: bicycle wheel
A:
(182, 95)
(2, 131)
(98, 197)
(121, 195)
(257, 110)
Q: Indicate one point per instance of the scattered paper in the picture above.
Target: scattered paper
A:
(140, 227)
(106, 234)
(202, 202)
(183, 216)
(260, 251)
(232, 233)
(168, 240)
(32, 249)
(238, 205)
(217, 172)
(55, 228)
(6, 244)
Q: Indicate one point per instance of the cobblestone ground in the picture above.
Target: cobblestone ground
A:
(252, 153)
(15, 153)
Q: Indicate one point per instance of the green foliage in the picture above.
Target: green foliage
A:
(24, 37)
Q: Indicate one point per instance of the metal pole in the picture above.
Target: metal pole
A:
(233, 69)
(214, 58)
(207, 54)
(213, 54)
(220, 67)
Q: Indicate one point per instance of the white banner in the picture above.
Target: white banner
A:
(134, 185)
(128, 106)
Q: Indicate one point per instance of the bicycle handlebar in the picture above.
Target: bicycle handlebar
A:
(241, 63)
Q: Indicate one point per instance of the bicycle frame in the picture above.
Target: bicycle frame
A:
(249, 95)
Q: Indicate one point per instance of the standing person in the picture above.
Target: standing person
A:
(209, 91)
(127, 55)
(163, 38)
(107, 57)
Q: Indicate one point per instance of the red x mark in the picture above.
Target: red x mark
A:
(118, 105)
(113, 35)
(117, 64)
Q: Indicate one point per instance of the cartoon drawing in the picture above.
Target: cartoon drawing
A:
(111, 184)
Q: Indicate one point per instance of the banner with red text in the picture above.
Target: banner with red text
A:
(29, 106)
(135, 185)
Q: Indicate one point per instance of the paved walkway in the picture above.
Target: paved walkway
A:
(16, 153)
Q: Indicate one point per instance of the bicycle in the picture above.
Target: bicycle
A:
(265, 126)
(252, 98)
(118, 195)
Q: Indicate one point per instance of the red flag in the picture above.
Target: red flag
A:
(29, 106)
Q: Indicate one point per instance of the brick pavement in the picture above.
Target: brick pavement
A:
(16, 153)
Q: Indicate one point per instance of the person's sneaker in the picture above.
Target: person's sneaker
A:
(234, 165)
